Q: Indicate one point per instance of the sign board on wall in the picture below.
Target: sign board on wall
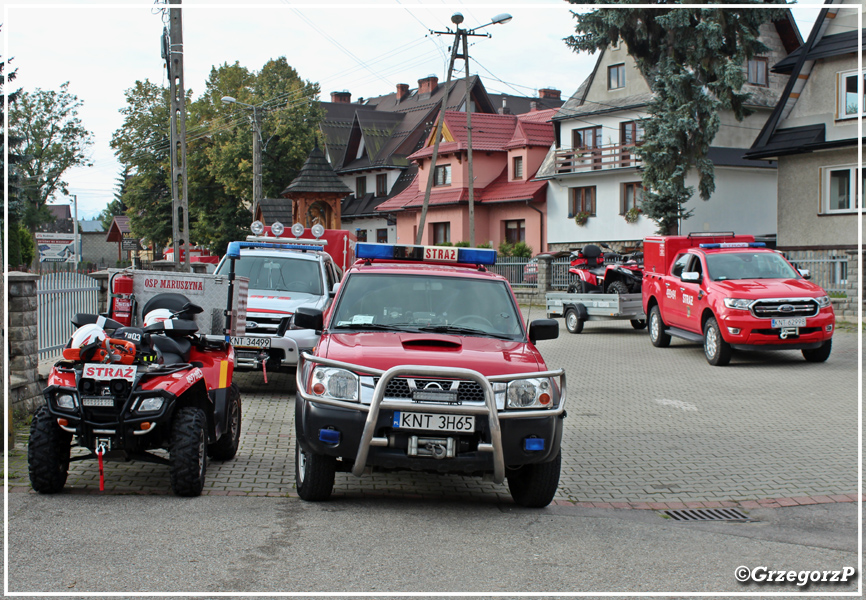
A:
(55, 247)
(130, 242)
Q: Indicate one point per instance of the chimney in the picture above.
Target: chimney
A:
(504, 110)
(533, 106)
(551, 93)
(428, 84)
(344, 97)
(402, 91)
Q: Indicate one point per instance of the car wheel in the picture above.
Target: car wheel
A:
(658, 337)
(716, 349)
(617, 287)
(314, 474)
(535, 485)
(188, 452)
(573, 322)
(47, 453)
(638, 323)
(226, 447)
(819, 354)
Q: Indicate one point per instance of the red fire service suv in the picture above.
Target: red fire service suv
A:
(731, 293)
(425, 364)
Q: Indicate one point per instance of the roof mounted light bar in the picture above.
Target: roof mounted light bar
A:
(735, 245)
(476, 256)
(234, 248)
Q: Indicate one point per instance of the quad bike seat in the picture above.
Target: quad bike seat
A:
(173, 350)
(82, 319)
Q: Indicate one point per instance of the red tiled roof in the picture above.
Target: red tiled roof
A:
(538, 116)
(499, 190)
(490, 133)
(531, 134)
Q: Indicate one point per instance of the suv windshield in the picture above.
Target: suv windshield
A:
(278, 273)
(441, 304)
(748, 265)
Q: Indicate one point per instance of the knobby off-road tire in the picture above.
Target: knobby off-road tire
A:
(573, 322)
(617, 287)
(314, 474)
(188, 452)
(535, 485)
(658, 337)
(48, 453)
(716, 349)
(820, 354)
(576, 287)
(226, 447)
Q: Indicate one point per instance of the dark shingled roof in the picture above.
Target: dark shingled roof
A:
(316, 176)
(827, 46)
(276, 209)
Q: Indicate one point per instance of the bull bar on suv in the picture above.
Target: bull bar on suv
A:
(379, 401)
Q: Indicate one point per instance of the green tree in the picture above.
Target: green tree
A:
(53, 140)
(693, 60)
(13, 142)
(116, 207)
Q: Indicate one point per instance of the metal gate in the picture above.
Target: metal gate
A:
(61, 296)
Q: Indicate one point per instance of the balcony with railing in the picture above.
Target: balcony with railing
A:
(584, 160)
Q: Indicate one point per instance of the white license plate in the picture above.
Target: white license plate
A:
(97, 401)
(251, 342)
(434, 422)
(791, 322)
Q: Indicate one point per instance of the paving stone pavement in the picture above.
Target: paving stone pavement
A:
(646, 428)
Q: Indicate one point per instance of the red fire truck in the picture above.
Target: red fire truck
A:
(730, 293)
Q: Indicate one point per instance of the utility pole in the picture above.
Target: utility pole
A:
(180, 200)
(257, 149)
(76, 243)
(460, 35)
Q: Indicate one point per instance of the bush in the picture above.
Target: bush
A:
(517, 250)
(463, 244)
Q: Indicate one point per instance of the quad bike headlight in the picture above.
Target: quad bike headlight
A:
(529, 393)
(65, 401)
(151, 404)
(339, 384)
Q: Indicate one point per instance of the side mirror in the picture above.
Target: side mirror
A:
(806, 274)
(307, 317)
(543, 329)
(692, 276)
(333, 292)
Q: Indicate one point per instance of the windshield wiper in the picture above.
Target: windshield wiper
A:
(466, 330)
(376, 326)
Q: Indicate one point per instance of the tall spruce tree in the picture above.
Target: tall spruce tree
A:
(693, 59)
(13, 142)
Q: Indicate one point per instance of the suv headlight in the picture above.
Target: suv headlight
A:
(65, 401)
(823, 301)
(529, 393)
(151, 404)
(331, 382)
(738, 303)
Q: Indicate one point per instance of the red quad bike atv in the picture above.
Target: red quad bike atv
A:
(610, 273)
(123, 391)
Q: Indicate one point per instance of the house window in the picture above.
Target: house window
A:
(840, 191)
(515, 231)
(361, 234)
(582, 139)
(518, 167)
(441, 233)
(847, 94)
(632, 196)
(615, 77)
(757, 72)
(360, 187)
(630, 132)
(382, 184)
(581, 199)
(382, 236)
(443, 175)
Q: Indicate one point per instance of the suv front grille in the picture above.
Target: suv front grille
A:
(782, 308)
(400, 387)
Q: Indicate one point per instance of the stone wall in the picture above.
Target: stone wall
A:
(25, 389)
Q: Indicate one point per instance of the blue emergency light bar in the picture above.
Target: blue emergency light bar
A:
(475, 256)
(234, 249)
(735, 245)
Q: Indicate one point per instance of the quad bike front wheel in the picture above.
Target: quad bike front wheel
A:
(226, 447)
(188, 452)
(48, 453)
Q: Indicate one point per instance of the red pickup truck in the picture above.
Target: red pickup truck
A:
(730, 293)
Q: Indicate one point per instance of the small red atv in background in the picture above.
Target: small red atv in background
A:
(124, 391)
(609, 272)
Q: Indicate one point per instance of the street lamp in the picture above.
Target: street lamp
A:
(459, 35)
(257, 151)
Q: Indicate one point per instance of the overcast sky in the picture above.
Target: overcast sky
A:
(102, 48)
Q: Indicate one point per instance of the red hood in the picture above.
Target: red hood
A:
(767, 288)
(383, 350)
